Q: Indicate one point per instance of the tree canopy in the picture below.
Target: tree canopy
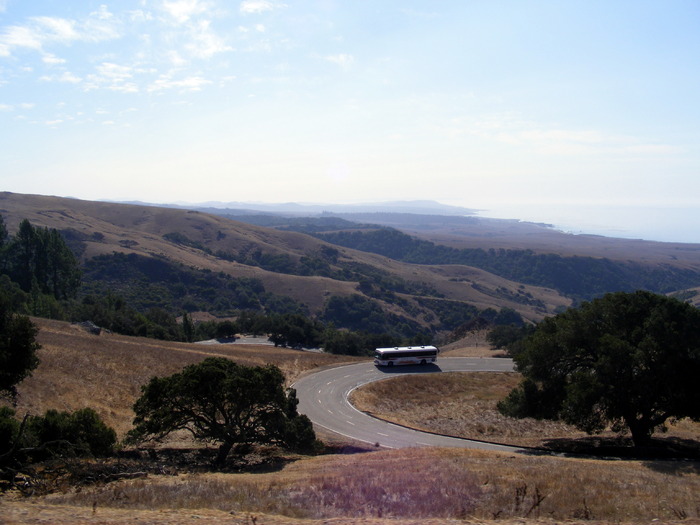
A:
(39, 258)
(222, 402)
(626, 360)
(18, 347)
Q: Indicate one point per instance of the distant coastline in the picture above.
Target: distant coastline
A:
(628, 222)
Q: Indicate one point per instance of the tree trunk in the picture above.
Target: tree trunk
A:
(641, 432)
(223, 452)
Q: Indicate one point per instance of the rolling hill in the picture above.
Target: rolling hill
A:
(448, 271)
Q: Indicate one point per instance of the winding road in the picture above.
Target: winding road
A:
(323, 397)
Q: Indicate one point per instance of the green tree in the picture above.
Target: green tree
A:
(79, 433)
(3, 233)
(188, 328)
(626, 360)
(509, 337)
(40, 258)
(222, 402)
(18, 347)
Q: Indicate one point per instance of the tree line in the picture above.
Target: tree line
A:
(579, 277)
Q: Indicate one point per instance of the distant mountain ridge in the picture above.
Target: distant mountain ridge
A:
(294, 209)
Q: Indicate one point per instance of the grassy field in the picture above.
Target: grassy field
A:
(351, 485)
(464, 404)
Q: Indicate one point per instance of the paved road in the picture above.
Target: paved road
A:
(323, 397)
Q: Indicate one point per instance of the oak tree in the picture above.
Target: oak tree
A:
(626, 360)
(222, 402)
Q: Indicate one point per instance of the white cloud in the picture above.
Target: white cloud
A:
(256, 6)
(140, 16)
(52, 59)
(192, 83)
(204, 42)
(41, 31)
(20, 36)
(114, 77)
(100, 25)
(183, 10)
(65, 77)
(56, 29)
(343, 60)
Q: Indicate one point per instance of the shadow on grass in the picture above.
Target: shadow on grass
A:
(660, 449)
(429, 368)
(250, 459)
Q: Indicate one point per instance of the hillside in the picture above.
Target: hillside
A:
(289, 264)
(364, 274)
(106, 371)
(356, 485)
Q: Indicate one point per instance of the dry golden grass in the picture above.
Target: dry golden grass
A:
(402, 486)
(464, 404)
(413, 486)
(106, 372)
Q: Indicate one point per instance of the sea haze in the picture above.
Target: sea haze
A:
(629, 222)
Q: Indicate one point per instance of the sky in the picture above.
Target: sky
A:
(580, 113)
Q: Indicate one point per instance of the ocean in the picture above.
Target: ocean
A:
(665, 224)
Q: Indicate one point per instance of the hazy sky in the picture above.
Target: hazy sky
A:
(512, 106)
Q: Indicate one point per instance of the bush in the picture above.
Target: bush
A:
(80, 433)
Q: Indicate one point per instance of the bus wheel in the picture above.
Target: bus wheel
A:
(390, 363)
(422, 361)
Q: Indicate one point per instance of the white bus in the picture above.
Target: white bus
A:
(405, 355)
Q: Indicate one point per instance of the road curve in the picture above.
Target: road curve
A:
(323, 397)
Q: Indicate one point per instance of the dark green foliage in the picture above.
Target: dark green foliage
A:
(9, 432)
(578, 277)
(220, 401)
(362, 343)
(509, 337)
(55, 434)
(18, 347)
(188, 328)
(79, 433)
(109, 311)
(4, 235)
(508, 316)
(346, 343)
(180, 238)
(356, 312)
(384, 281)
(628, 360)
(39, 261)
(13, 295)
(294, 330)
(451, 314)
(147, 282)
